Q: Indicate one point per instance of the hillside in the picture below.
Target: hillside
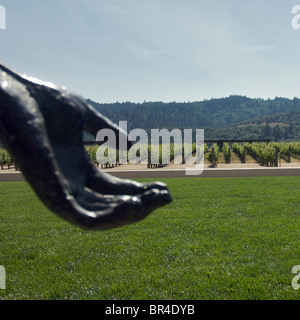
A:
(234, 117)
(280, 126)
(282, 119)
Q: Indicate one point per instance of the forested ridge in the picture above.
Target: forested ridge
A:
(233, 117)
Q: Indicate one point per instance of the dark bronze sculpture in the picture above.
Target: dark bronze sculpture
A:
(41, 125)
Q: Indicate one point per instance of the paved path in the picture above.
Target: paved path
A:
(11, 175)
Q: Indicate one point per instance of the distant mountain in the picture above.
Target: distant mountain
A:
(213, 113)
(234, 117)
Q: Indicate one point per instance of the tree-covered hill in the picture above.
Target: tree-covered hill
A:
(234, 117)
(214, 113)
(282, 119)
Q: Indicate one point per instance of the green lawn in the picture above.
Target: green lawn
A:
(221, 238)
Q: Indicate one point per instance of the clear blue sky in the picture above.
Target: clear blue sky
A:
(156, 50)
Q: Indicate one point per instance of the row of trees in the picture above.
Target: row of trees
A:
(278, 133)
(256, 132)
(5, 159)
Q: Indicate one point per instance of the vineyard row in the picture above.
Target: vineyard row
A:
(267, 154)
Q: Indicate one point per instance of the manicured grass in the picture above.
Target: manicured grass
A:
(221, 238)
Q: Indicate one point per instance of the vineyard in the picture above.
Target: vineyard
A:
(264, 153)
(267, 154)
(155, 156)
